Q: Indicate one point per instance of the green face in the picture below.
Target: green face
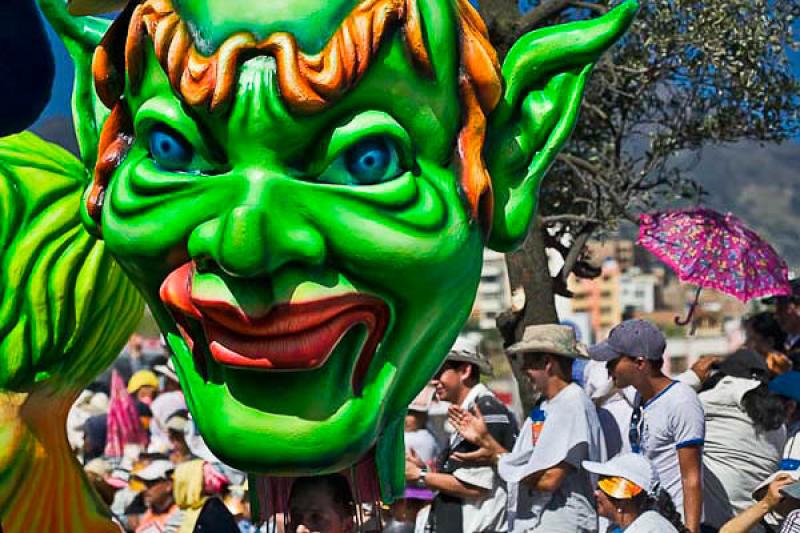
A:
(309, 272)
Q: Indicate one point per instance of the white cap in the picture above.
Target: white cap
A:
(794, 473)
(177, 423)
(158, 469)
(631, 466)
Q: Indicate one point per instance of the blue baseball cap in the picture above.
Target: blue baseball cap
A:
(634, 338)
(787, 384)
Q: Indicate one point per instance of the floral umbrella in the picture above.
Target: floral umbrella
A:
(717, 251)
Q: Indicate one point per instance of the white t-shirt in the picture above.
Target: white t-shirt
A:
(614, 406)
(671, 420)
(650, 522)
(736, 455)
(570, 433)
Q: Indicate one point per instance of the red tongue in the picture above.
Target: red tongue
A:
(176, 291)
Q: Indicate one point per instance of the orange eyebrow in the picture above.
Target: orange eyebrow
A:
(310, 83)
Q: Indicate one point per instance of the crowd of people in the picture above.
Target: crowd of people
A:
(144, 456)
(612, 444)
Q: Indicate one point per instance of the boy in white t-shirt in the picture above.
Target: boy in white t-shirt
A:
(668, 424)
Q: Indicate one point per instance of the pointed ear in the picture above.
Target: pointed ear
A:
(81, 36)
(544, 73)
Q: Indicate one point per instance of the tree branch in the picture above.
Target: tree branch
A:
(553, 219)
(578, 244)
(540, 13)
(597, 8)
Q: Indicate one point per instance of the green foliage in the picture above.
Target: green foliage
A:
(66, 306)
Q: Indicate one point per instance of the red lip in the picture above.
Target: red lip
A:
(290, 337)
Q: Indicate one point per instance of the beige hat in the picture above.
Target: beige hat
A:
(551, 339)
(466, 351)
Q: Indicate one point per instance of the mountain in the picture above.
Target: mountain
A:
(761, 185)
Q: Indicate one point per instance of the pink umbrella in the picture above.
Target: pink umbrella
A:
(124, 426)
(717, 251)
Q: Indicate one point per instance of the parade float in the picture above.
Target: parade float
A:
(301, 191)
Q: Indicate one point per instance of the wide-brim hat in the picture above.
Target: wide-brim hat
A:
(759, 491)
(466, 351)
(551, 339)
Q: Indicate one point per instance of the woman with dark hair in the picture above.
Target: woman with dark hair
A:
(764, 335)
(629, 495)
(745, 435)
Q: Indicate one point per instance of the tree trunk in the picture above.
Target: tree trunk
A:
(528, 269)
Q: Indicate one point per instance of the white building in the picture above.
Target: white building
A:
(638, 291)
(494, 292)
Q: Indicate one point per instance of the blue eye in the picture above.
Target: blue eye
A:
(170, 150)
(372, 161)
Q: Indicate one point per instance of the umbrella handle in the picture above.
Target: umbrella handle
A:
(685, 321)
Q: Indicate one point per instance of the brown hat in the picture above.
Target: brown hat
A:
(551, 339)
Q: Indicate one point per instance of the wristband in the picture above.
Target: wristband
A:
(420, 483)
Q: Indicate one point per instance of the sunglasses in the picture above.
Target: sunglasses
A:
(619, 488)
(532, 361)
(448, 365)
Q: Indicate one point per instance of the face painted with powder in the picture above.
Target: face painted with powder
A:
(306, 216)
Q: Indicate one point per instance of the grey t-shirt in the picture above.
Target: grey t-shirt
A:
(737, 456)
(571, 433)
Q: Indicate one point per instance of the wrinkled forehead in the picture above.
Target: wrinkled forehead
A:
(311, 22)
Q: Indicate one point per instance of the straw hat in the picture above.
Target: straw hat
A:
(550, 339)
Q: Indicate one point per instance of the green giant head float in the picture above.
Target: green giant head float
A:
(302, 191)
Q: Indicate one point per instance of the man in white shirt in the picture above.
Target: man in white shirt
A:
(471, 498)
(668, 423)
(549, 492)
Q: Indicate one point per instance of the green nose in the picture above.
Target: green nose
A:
(250, 242)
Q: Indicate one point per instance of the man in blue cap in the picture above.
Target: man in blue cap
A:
(668, 424)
